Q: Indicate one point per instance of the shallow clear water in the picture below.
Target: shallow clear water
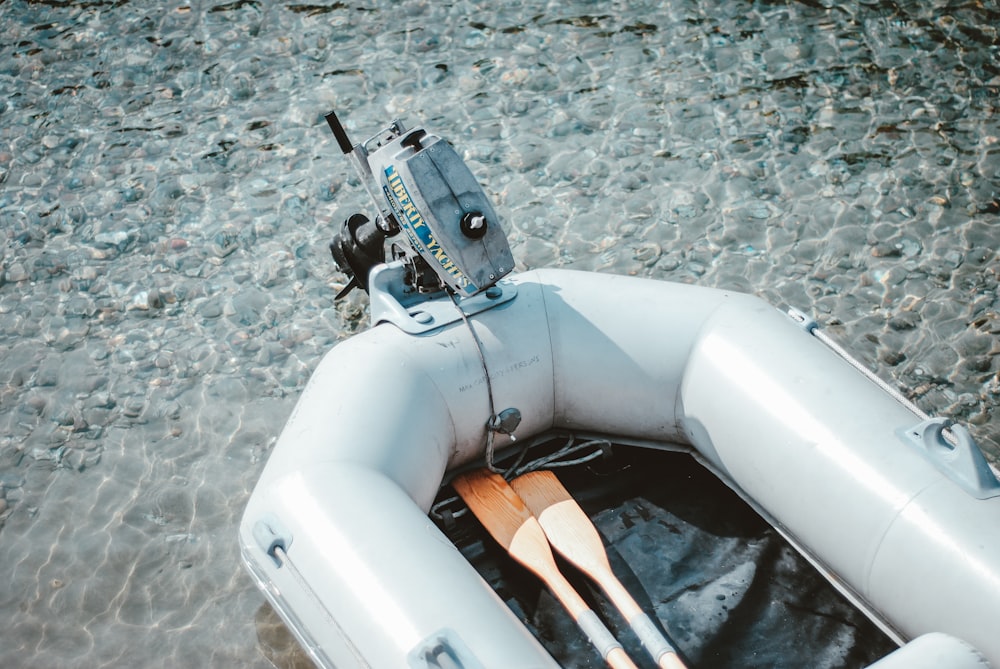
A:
(168, 186)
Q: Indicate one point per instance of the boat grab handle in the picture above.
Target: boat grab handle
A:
(957, 456)
(442, 650)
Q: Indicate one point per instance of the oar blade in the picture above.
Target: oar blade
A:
(507, 519)
(567, 526)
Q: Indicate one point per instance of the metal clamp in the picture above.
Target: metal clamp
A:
(417, 313)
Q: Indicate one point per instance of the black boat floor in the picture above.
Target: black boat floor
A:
(727, 589)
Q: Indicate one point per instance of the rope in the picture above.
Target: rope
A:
(492, 425)
(489, 386)
(556, 459)
(282, 556)
(858, 365)
(813, 328)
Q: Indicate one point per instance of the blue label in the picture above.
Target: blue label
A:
(418, 232)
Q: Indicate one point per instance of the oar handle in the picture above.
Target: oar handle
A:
(657, 645)
(618, 659)
(605, 642)
(599, 635)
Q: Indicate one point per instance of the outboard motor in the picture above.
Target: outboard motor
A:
(431, 213)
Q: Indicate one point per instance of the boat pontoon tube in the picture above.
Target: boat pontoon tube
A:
(336, 531)
(933, 651)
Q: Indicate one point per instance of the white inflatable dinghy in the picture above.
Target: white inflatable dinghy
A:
(899, 511)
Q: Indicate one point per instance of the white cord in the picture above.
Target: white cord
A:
(489, 387)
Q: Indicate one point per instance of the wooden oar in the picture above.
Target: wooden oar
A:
(571, 533)
(508, 520)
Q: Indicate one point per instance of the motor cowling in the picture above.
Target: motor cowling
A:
(443, 212)
(431, 209)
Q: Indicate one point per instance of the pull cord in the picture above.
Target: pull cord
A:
(494, 422)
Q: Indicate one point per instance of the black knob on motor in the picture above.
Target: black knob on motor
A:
(473, 225)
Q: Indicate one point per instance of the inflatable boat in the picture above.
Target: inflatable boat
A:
(899, 511)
